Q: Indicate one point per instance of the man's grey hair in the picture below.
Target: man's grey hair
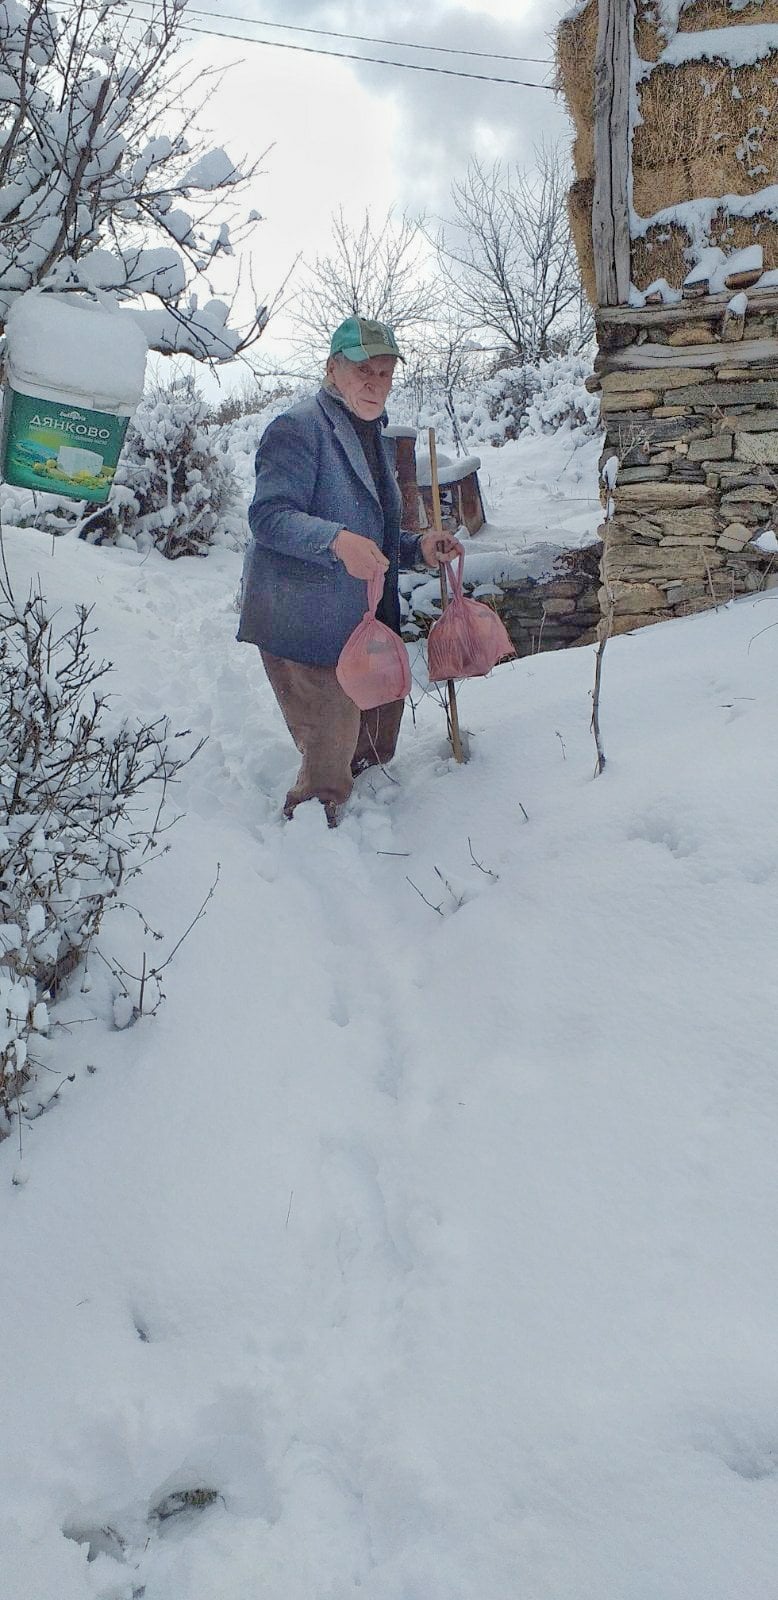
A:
(337, 361)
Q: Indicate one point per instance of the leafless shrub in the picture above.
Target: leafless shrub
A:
(82, 796)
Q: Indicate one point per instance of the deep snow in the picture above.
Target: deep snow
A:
(441, 1245)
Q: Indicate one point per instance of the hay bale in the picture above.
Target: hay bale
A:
(663, 252)
(649, 37)
(583, 153)
(723, 118)
(701, 14)
(653, 188)
(579, 202)
(736, 233)
(576, 49)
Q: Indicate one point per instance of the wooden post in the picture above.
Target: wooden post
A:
(405, 468)
(471, 506)
(453, 710)
(610, 208)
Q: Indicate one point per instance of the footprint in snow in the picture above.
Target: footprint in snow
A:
(353, 1177)
(659, 826)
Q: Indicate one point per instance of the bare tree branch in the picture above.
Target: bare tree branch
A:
(377, 270)
(506, 255)
(99, 153)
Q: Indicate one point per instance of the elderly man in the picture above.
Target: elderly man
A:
(325, 517)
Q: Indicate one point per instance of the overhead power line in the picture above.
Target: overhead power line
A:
(366, 38)
(346, 55)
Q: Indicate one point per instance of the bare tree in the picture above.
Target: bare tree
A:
(507, 255)
(375, 270)
(102, 177)
(444, 363)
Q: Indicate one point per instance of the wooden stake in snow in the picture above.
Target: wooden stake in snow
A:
(453, 713)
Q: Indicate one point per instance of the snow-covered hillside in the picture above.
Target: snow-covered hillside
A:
(413, 1251)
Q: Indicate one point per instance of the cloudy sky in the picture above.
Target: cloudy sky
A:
(356, 134)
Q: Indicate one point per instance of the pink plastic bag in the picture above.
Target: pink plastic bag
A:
(469, 639)
(373, 667)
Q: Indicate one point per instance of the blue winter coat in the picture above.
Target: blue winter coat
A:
(298, 600)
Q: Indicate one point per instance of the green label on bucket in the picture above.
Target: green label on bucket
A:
(60, 447)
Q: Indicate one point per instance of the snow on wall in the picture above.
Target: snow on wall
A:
(669, 15)
(739, 46)
(696, 215)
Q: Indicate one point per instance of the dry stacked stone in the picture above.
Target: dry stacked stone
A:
(552, 613)
(689, 398)
(557, 612)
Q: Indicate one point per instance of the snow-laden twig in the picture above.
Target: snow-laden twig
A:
(595, 724)
(458, 899)
(149, 974)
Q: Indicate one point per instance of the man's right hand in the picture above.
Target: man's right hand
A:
(360, 556)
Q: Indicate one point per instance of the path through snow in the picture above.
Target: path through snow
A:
(438, 1244)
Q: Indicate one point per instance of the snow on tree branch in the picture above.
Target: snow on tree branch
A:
(103, 177)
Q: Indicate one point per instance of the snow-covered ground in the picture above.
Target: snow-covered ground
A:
(435, 1242)
(540, 489)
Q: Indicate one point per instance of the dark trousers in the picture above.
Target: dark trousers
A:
(335, 739)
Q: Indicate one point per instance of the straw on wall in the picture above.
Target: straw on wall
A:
(664, 251)
(576, 48)
(706, 129)
(698, 15)
(579, 202)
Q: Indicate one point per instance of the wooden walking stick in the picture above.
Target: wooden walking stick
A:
(453, 713)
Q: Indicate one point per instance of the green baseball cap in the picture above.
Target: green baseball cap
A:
(358, 339)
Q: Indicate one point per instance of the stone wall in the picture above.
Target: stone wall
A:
(560, 612)
(689, 398)
(550, 614)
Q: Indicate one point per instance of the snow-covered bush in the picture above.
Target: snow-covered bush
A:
(541, 398)
(240, 434)
(175, 486)
(72, 823)
(254, 399)
(528, 397)
(239, 437)
(508, 394)
(561, 399)
(31, 508)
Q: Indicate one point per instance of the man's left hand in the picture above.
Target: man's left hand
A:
(437, 547)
